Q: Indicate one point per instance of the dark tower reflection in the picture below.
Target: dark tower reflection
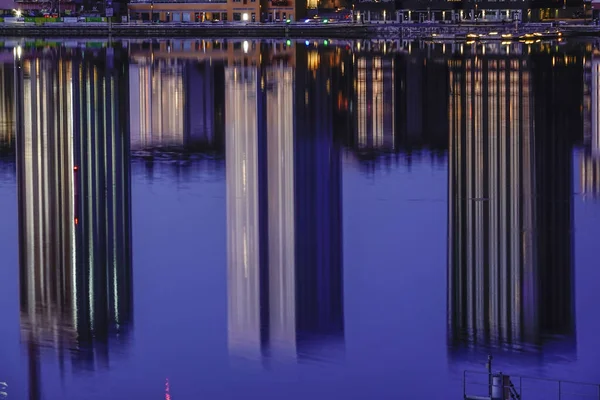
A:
(421, 100)
(554, 136)
(318, 200)
(283, 219)
(510, 276)
(74, 204)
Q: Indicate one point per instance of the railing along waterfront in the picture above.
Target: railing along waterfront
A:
(479, 385)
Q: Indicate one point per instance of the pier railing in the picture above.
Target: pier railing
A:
(480, 385)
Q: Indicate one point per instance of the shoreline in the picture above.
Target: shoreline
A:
(334, 31)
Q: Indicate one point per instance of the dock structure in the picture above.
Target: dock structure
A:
(489, 385)
(503, 32)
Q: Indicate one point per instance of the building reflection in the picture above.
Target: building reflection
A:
(318, 199)
(399, 104)
(375, 93)
(590, 157)
(175, 103)
(177, 92)
(283, 218)
(7, 103)
(510, 273)
(421, 102)
(375, 96)
(589, 175)
(74, 206)
(157, 103)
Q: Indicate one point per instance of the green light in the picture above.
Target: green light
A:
(325, 42)
(288, 21)
(325, 21)
(288, 42)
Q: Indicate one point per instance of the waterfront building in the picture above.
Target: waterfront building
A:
(56, 8)
(375, 11)
(60, 6)
(213, 11)
(480, 11)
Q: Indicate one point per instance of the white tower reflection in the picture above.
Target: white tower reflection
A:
(243, 235)
(280, 178)
(276, 271)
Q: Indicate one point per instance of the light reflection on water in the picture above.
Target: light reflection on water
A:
(354, 220)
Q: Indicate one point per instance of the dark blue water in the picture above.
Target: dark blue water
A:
(192, 219)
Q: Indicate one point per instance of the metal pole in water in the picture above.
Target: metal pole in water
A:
(498, 389)
(465, 384)
(489, 368)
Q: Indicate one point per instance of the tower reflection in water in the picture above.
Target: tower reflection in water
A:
(510, 272)
(283, 209)
(74, 206)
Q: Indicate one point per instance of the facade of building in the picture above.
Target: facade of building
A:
(47, 5)
(419, 11)
(375, 11)
(62, 8)
(222, 11)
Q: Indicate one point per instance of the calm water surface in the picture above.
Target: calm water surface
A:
(193, 219)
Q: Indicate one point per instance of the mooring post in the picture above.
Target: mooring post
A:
(489, 368)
